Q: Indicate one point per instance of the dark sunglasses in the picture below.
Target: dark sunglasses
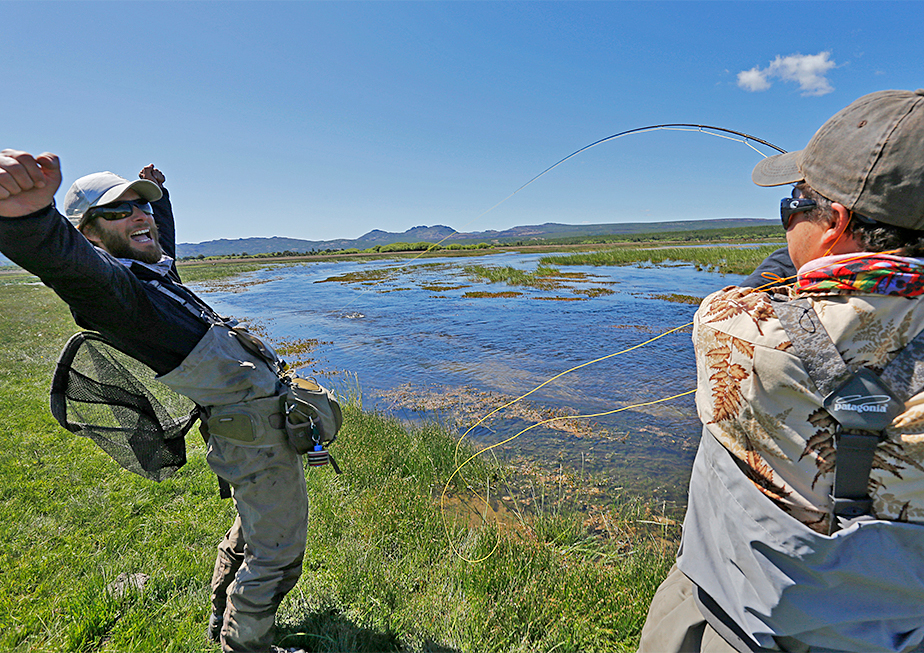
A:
(118, 210)
(789, 206)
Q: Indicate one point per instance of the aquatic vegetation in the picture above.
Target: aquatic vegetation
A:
(733, 260)
(437, 287)
(594, 292)
(543, 277)
(368, 277)
(646, 328)
(680, 299)
(297, 352)
(482, 293)
(386, 290)
(222, 272)
(466, 405)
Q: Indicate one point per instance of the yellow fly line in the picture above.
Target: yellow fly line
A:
(459, 468)
(528, 428)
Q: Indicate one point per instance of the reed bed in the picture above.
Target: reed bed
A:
(726, 260)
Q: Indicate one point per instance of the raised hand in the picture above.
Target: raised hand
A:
(27, 183)
(151, 173)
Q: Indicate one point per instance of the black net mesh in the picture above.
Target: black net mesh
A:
(103, 394)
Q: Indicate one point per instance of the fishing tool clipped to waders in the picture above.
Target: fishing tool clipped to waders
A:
(103, 394)
(862, 403)
(313, 418)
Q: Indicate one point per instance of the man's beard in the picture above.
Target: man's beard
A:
(119, 245)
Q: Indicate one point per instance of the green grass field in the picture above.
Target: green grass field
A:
(381, 571)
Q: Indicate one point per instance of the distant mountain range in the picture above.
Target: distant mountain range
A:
(530, 234)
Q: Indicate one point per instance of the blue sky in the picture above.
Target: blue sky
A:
(322, 120)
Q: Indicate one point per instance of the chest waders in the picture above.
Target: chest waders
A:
(767, 582)
(246, 390)
(258, 418)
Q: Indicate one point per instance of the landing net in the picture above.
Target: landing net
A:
(100, 393)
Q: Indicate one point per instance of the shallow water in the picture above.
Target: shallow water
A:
(392, 323)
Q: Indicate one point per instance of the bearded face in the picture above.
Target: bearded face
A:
(140, 243)
(133, 237)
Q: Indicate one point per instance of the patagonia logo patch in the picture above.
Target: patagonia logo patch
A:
(862, 403)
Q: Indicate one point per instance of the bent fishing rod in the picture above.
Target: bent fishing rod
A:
(677, 126)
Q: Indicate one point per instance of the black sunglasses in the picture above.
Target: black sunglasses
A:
(118, 210)
(789, 206)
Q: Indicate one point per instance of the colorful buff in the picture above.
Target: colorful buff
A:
(868, 272)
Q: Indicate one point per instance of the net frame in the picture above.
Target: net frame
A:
(115, 400)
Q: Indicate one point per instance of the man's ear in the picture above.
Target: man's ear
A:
(90, 234)
(836, 239)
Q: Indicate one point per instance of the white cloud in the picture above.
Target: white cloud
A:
(808, 70)
(753, 80)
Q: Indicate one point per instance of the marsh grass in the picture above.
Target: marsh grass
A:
(221, 270)
(379, 571)
(727, 260)
(544, 277)
(679, 299)
(481, 293)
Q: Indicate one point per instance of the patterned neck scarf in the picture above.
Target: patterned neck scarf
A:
(867, 272)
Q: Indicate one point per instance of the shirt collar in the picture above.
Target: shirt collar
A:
(161, 268)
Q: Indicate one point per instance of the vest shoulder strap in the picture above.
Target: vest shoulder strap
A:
(862, 402)
(185, 298)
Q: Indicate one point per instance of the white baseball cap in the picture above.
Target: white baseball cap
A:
(102, 188)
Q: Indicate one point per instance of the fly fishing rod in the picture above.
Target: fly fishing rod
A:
(747, 139)
(709, 130)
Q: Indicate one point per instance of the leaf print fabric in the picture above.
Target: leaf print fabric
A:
(756, 398)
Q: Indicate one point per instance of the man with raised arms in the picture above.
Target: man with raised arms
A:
(111, 260)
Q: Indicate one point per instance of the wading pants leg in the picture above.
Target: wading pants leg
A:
(229, 560)
(268, 486)
(675, 624)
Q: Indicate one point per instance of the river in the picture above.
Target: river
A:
(418, 340)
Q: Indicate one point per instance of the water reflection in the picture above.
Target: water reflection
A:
(421, 323)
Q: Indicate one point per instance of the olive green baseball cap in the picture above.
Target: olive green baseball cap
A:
(868, 157)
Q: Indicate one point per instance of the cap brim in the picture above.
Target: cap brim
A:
(778, 170)
(146, 189)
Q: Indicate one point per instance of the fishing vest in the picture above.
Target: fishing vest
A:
(766, 581)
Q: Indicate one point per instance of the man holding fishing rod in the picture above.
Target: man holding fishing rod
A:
(805, 524)
(111, 261)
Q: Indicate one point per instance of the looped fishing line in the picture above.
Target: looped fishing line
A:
(458, 469)
(528, 428)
